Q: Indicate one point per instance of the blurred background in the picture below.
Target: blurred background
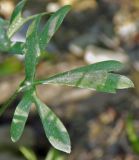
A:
(101, 126)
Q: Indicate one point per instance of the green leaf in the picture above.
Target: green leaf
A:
(132, 134)
(17, 11)
(54, 154)
(54, 129)
(17, 21)
(95, 76)
(28, 153)
(114, 81)
(32, 49)
(8, 102)
(17, 48)
(4, 40)
(5, 43)
(52, 25)
(20, 116)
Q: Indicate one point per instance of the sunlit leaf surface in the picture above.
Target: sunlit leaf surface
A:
(32, 49)
(4, 41)
(52, 25)
(16, 20)
(95, 76)
(54, 129)
(20, 117)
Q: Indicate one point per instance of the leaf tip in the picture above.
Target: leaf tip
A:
(125, 82)
(131, 84)
(13, 139)
(68, 150)
(61, 146)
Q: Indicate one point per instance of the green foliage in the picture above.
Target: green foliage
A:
(28, 153)
(52, 26)
(20, 116)
(132, 134)
(97, 76)
(53, 154)
(9, 66)
(54, 129)
(4, 40)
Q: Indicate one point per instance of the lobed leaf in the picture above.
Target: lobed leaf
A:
(20, 117)
(52, 25)
(54, 129)
(95, 76)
